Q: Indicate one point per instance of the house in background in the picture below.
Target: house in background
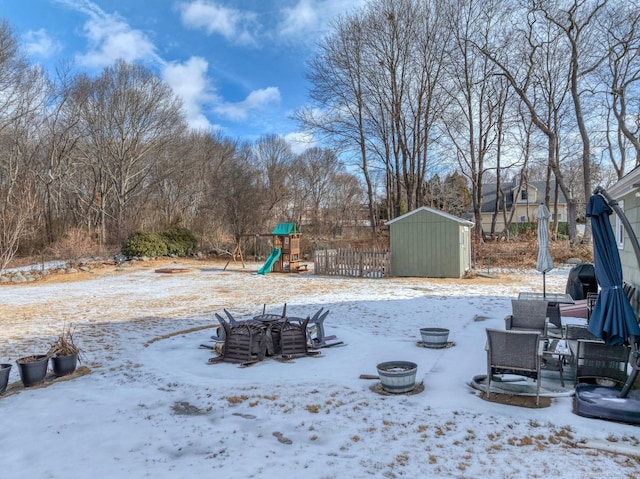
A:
(525, 201)
(430, 243)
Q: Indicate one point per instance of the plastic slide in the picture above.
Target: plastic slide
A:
(273, 257)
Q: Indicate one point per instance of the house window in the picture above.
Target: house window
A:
(522, 219)
(524, 195)
(619, 227)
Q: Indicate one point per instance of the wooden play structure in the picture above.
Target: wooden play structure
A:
(285, 253)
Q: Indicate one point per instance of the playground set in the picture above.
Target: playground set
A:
(285, 251)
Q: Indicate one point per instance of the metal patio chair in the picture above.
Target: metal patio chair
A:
(528, 315)
(513, 352)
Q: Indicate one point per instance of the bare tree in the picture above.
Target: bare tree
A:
(58, 138)
(475, 122)
(622, 81)
(577, 21)
(129, 116)
(22, 94)
(531, 68)
(239, 193)
(274, 157)
(316, 168)
(338, 90)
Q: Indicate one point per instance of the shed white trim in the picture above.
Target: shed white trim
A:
(437, 212)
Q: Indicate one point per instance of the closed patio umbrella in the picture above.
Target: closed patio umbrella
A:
(612, 319)
(545, 263)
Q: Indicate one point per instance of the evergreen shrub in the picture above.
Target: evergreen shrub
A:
(180, 241)
(142, 243)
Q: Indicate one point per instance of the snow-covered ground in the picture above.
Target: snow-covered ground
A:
(153, 406)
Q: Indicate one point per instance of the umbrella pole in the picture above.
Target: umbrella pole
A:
(544, 284)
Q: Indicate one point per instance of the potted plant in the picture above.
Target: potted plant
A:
(397, 376)
(64, 354)
(33, 369)
(5, 369)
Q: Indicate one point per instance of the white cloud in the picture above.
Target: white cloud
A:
(39, 43)
(312, 16)
(256, 100)
(110, 39)
(189, 81)
(234, 25)
(299, 18)
(300, 141)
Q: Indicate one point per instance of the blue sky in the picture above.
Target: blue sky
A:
(238, 65)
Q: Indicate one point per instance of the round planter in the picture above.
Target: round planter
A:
(33, 369)
(397, 376)
(5, 369)
(434, 337)
(63, 365)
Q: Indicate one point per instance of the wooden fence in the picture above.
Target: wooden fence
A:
(352, 262)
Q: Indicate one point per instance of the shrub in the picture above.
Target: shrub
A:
(145, 244)
(75, 244)
(180, 241)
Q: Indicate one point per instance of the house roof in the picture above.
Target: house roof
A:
(625, 184)
(489, 194)
(437, 212)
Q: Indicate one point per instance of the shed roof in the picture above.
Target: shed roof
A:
(283, 229)
(437, 212)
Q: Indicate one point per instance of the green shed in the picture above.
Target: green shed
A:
(430, 243)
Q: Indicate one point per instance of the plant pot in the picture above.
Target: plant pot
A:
(63, 365)
(5, 369)
(397, 376)
(33, 369)
(434, 337)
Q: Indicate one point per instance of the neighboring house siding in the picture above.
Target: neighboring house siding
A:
(525, 207)
(631, 273)
(624, 191)
(425, 243)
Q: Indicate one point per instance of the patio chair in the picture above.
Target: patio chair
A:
(316, 325)
(595, 360)
(244, 343)
(232, 320)
(220, 331)
(513, 352)
(293, 338)
(573, 332)
(528, 315)
(554, 327)
(591, 302)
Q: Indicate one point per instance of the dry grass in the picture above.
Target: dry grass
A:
(64, 345)
(524, 254)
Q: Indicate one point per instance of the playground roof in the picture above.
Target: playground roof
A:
(285, 229)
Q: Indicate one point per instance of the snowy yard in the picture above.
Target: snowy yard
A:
(153, 407)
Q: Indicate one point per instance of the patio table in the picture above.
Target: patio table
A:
(557, 350)
(560, 298)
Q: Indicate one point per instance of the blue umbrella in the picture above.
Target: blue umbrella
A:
(612, 319)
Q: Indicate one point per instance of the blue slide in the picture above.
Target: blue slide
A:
(273, 257)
